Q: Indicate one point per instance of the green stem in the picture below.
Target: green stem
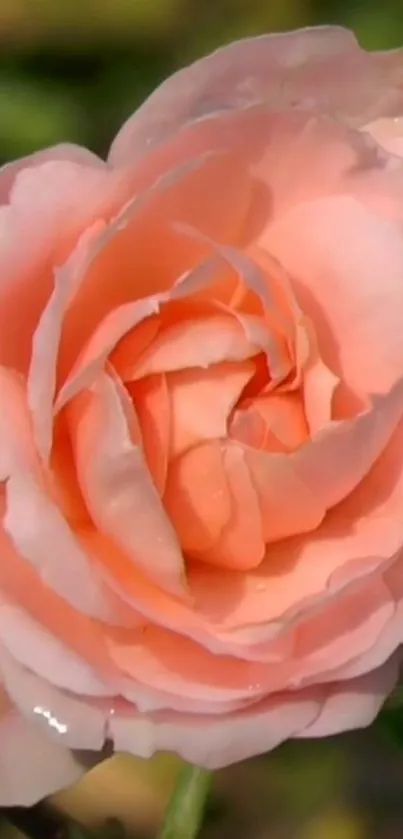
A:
(184, 813)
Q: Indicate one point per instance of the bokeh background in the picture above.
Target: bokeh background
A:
(74, 70)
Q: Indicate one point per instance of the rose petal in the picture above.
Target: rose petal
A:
(65, 719)
(337, 249)
(215, 741)
(151, 401)
(25, 780)
(117, 486)
(67, 196)
(354, 704)
(320, 67)
(201, 402)
(197, 496)
(240, 545)
(35, 527)
(62, 151)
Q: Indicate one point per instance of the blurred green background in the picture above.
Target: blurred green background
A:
(74, 70)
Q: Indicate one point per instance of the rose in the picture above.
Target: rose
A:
(201, 444)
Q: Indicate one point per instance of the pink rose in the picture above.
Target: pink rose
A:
(201, 441)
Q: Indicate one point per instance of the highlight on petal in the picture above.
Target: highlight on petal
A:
(63, 718)
(25, 780)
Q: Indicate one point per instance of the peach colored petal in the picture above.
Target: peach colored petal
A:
(20, 584)
(320, 68)
(32, 645)
(215, 741)
(68, 196)
(299, 574)
(354, 704)
(151, 402)
(319, 386)
(277, 480)
(388, 132)
(343, 630)
(117, 486)
(46, 339)
(240, 545)
(17, 449)
(144, 249)
(43, 538)
(336, 249)
(25, 780)
(132, 346)
(200, 342)
(273, 421)
(63, 151)
(201, 402)
(197, 496)
(391, 636)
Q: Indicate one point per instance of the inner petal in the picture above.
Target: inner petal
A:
(272, 421)
(202, 400)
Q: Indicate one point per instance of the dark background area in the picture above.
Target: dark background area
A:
(74, 70)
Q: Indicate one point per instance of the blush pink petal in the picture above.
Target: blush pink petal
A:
(44, 539)
(27, 641)
(63, 151)
(64, 718)
(320, 68)
(356, 703)
(25, 780)
(117, 486)
(67, 196)
(391, 636)
(388, 132)
(336, 249)
(17, 449)
(46, 339)
(213, 741)
(84, 637)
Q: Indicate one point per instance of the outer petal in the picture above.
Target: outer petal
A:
(321, 67)
(41, 535)
(354, 704)
(213, 741)
(64, 718)
(67, 196)
(63, 151)
(346, 262)
(32, 766)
